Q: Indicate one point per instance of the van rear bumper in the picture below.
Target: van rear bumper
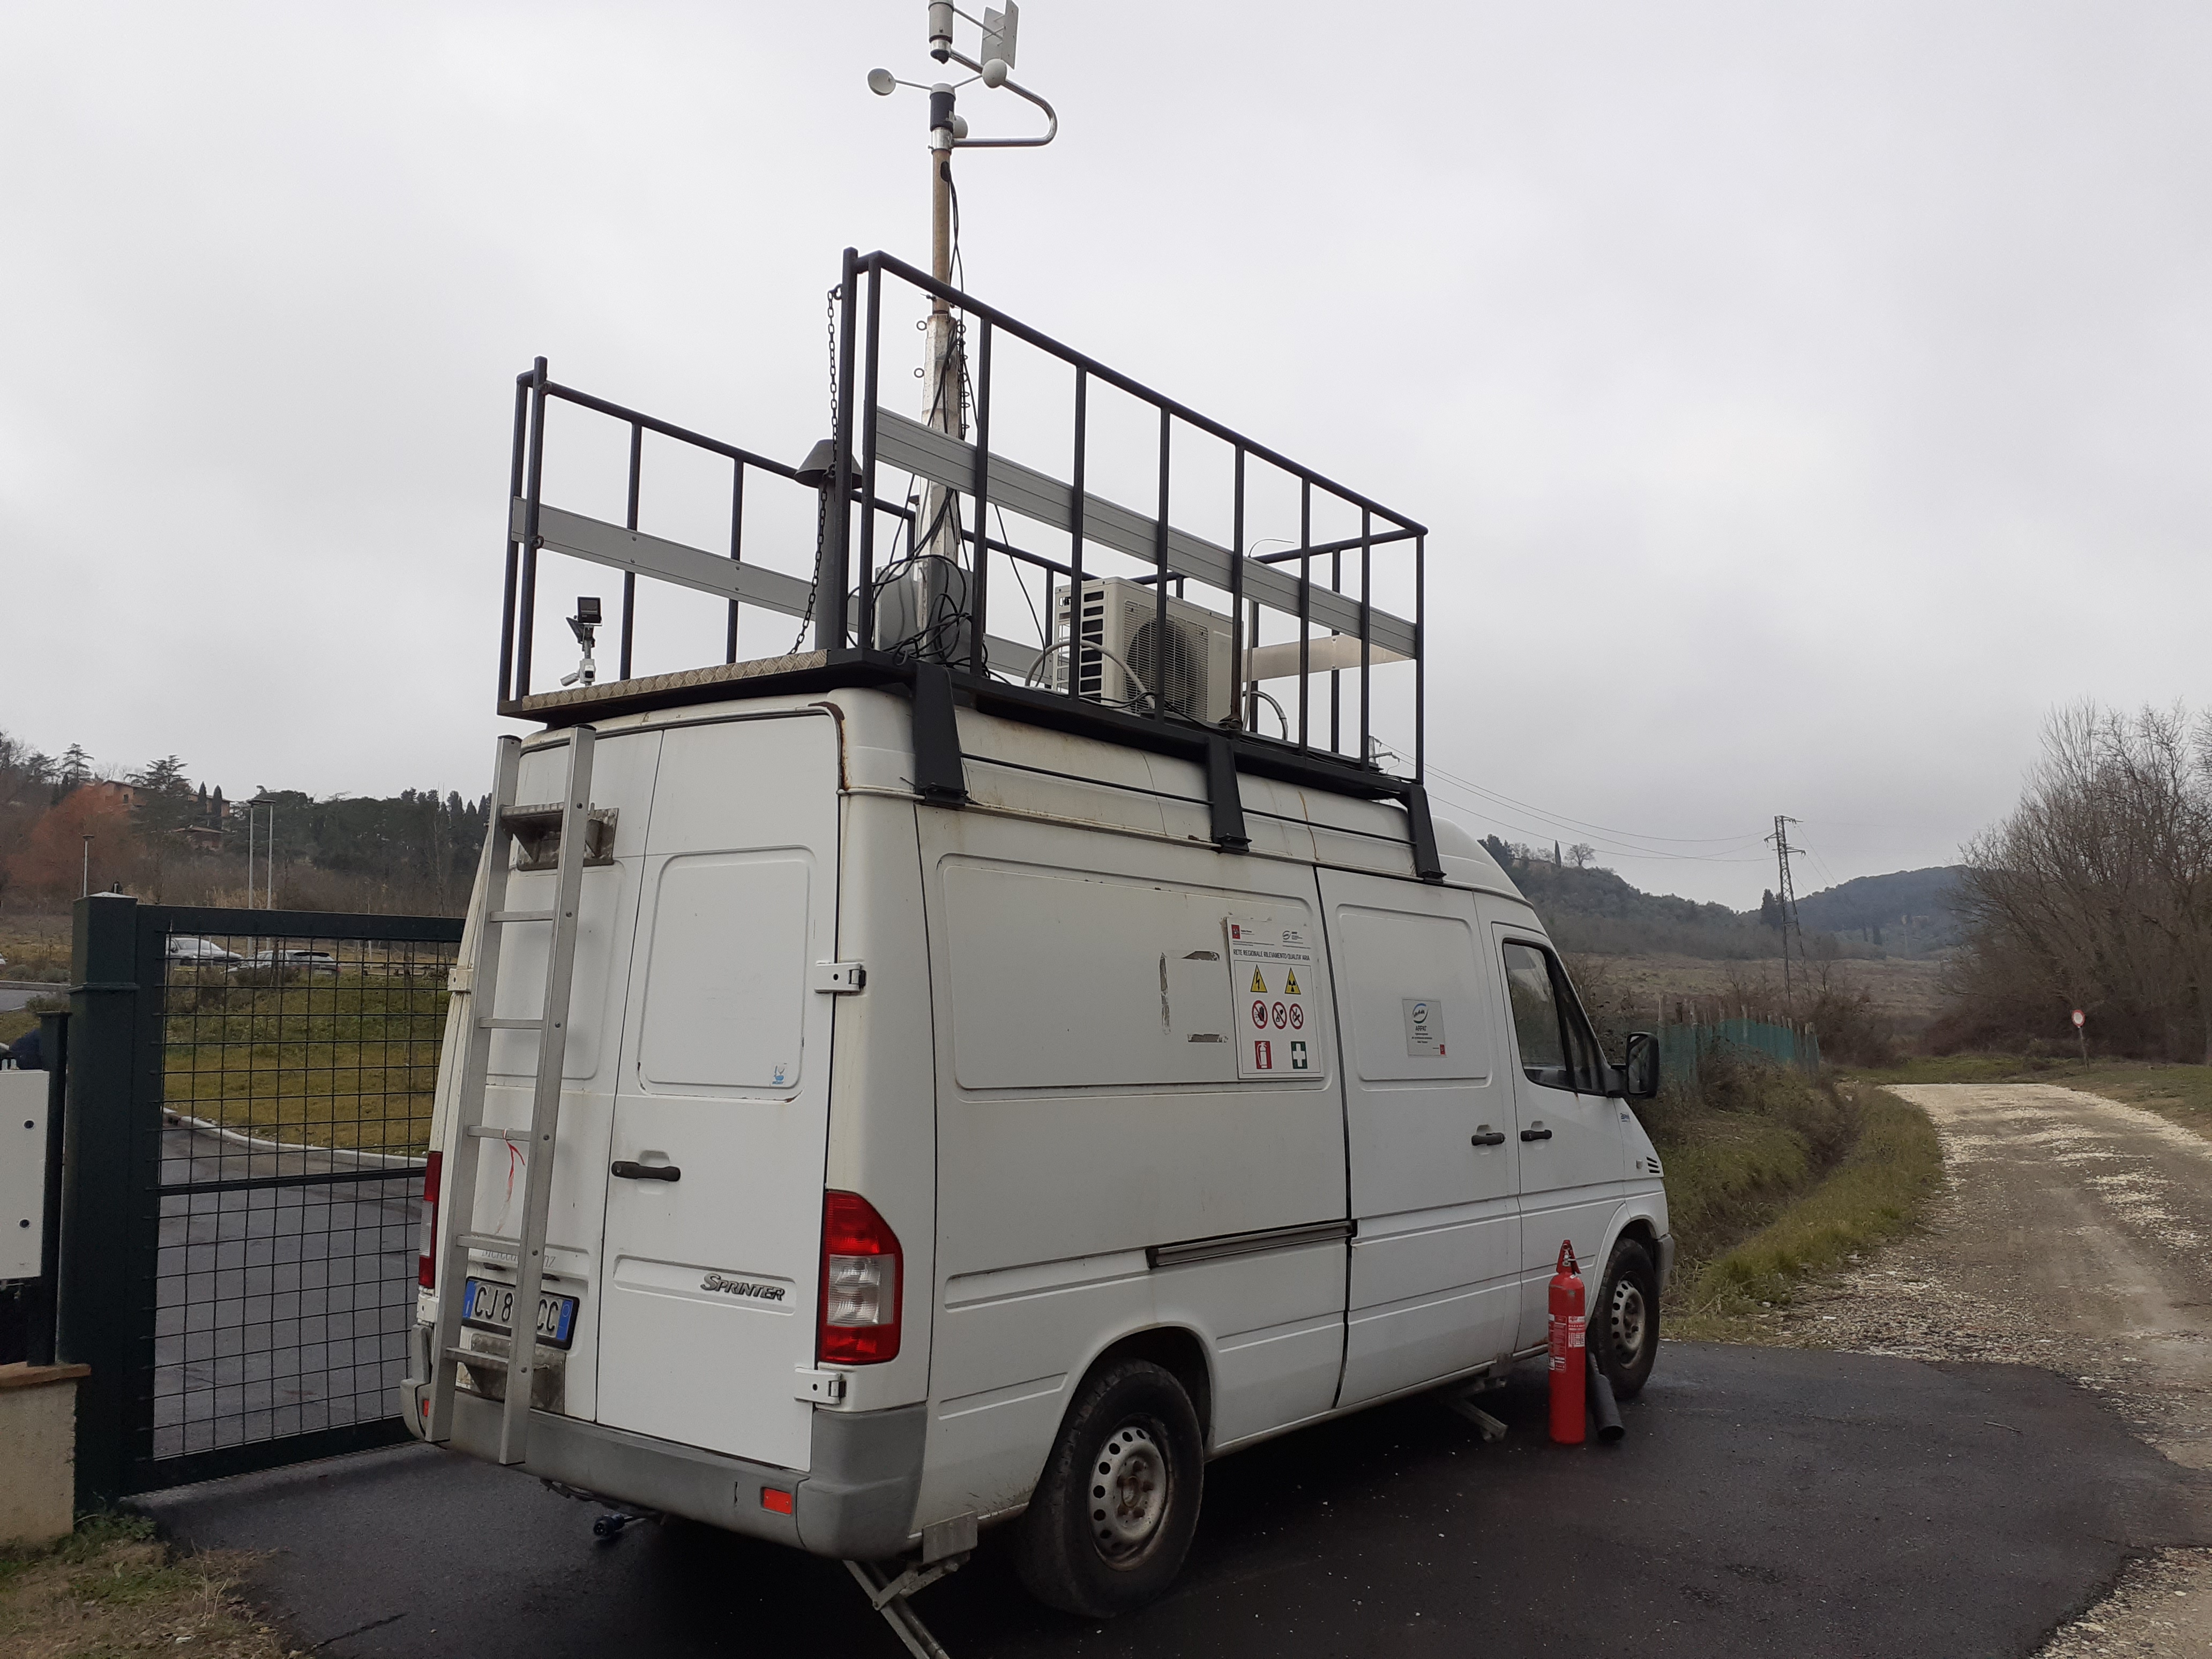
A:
(855, 1503)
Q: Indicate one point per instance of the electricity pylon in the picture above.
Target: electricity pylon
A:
(1786, 895)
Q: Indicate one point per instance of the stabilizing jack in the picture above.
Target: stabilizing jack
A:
(1463, 1405)
(888, 1597)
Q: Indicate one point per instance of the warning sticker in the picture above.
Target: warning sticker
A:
(1261, 951)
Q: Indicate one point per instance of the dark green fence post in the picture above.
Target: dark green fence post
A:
(111, 1223)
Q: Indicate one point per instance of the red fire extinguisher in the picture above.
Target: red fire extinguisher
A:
(1568, 1328)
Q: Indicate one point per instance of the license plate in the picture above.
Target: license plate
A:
(490, 1306)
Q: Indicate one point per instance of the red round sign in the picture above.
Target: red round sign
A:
(1260, 1015)
(1282, 1017)
(2079, 1017)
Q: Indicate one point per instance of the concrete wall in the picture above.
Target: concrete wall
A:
(38, 1452)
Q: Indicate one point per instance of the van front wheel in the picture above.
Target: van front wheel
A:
(1112, 1517)
(1624, 1323)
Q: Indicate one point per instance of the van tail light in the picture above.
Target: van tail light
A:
(426, 1258)
(859, 1313)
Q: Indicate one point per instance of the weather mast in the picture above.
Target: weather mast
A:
(1235, 607)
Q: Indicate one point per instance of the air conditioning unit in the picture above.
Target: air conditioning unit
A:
(1118, 636)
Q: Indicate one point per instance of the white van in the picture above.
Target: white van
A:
(920, 1167)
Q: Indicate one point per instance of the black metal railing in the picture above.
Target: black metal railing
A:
(1322, 591)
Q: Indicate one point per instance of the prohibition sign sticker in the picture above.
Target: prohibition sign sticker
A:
(1272, 967)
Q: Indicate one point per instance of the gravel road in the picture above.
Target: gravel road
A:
(2075, 1234)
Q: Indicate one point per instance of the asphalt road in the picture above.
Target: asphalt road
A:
(279, 1309)
(20, 995)
(2077, 1235)
(1766, 1501)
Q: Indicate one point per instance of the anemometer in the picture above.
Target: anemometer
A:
(947, 129)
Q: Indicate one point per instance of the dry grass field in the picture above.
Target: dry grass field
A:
(1908, 989)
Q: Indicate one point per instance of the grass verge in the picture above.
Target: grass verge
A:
(334, 1061)
(1738, 1147)
(341, 1060)
(1877, 1190)
(112, 1587)
(2181, 1093)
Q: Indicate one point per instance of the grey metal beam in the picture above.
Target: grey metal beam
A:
(910, 447)
(602, 543)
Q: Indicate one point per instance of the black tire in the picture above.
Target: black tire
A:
(1112, 1517)
(1623, 1321)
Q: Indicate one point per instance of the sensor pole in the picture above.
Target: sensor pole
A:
(941, 372)
(930, 597)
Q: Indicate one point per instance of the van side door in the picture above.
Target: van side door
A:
(1568, 1128)
(1436, 1254)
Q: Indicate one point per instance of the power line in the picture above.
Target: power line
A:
(1604, 843)
(1476, 810)
(1633, 835)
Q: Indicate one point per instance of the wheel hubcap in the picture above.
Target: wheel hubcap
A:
(1625, 1316)
(1128, 1491)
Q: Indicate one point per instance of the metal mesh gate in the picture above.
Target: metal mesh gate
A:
(284, 1070)
(297, 1079)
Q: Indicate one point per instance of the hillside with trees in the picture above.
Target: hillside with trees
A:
(156, 832)
(1909, 912)
(1592, 910)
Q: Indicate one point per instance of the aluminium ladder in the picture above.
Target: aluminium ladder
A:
(573, 815)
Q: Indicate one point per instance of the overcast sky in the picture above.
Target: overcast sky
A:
(1803, 399)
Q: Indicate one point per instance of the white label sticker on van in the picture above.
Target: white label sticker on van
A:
(1425, 1027)
(1271, 967)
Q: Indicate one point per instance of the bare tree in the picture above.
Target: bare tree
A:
(2096, 892)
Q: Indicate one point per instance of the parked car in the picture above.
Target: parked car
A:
(298, 962)
(199, 952)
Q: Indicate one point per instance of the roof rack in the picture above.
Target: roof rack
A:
(1315, 596)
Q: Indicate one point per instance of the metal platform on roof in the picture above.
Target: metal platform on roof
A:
(1314, 592)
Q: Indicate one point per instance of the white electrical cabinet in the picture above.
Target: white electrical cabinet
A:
(22, 1174)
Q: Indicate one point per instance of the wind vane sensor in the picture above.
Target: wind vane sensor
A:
(995, 68)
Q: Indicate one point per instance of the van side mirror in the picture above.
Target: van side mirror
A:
(1639, 1070)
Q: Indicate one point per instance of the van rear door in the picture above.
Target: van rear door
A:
(721, 1113)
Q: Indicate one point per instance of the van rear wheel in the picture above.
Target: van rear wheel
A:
(1110, 1520)
(1624, 1322)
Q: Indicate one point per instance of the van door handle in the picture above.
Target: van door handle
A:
(1535, 1135)
(624, 1170)
(1495, 1138)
